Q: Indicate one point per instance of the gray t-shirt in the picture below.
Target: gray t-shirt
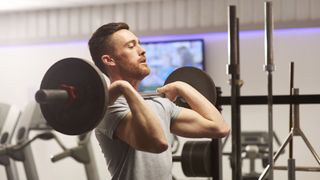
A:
(123, 161)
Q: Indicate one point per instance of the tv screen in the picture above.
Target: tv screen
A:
(164, 57)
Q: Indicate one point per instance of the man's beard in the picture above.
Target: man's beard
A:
(138, 72)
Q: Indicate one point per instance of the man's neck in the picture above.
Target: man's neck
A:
(135, 83)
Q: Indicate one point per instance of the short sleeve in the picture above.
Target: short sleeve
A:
(174, 110)
(115, 113)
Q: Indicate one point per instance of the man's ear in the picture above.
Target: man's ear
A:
(108, 60)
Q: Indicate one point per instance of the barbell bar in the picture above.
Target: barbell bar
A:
(73, 94)
(51, 96)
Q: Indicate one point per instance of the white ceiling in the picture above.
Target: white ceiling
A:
(19, 5)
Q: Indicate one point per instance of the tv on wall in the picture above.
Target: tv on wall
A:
(166, 56)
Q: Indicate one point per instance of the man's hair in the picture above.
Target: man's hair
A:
(99, 43)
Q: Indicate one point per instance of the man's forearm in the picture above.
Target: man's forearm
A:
(199, 103)
(146, 132)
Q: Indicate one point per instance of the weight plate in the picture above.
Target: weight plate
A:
(198, 79)
(89, 107)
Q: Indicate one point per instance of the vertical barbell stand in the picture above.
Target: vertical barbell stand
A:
(233, 68)
(269, 68)
(291, 160)
(295, 130)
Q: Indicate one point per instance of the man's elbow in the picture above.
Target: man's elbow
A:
(219, 131)
(223, 131)
(159, 146)
(153, 146)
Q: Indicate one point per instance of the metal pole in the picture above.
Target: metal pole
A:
(291, 161)
(297, 130)
(29, 164)
(234, 70)
(269, 67)
(90, 167)
(216, 159)
(290, 110)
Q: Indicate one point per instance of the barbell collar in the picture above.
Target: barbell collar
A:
(233, 68)
(269, 67)
(52, 96)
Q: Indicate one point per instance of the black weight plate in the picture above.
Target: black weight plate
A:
(196, 159)
(88, 109)
(198, 79)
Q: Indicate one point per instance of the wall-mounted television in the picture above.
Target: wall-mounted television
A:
(165, 56)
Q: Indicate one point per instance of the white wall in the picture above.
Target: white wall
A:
(22, 67)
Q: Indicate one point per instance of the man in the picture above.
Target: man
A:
(136, 133)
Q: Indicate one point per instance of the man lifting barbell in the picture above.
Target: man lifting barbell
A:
(133, 129)
(135, 133)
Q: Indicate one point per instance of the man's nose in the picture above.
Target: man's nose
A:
(142, 51)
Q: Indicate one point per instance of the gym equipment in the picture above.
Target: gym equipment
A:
(236, 100)
(233, 69)
(32, 119)
(201, 159)
(73, 94)
(82, 153)
(4, 111)
(196, 159)
(294, 124)
(9, 116)
(255, 146)
(269, 67)
(20, 150)
(295, 131)
(291, 161)
(198, 79)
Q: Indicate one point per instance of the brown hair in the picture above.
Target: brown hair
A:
(99, 43)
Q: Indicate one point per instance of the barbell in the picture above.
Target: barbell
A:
(73, 94)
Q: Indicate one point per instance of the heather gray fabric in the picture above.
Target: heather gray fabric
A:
(126, 163)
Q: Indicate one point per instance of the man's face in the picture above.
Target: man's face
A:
(129, 56)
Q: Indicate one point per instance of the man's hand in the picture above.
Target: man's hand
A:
(116, 89)
(172, 90)
(202, 120)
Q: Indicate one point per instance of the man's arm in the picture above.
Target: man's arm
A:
(141, 128)
(203, 120)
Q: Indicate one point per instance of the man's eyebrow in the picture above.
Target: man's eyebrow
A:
(131, 41)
